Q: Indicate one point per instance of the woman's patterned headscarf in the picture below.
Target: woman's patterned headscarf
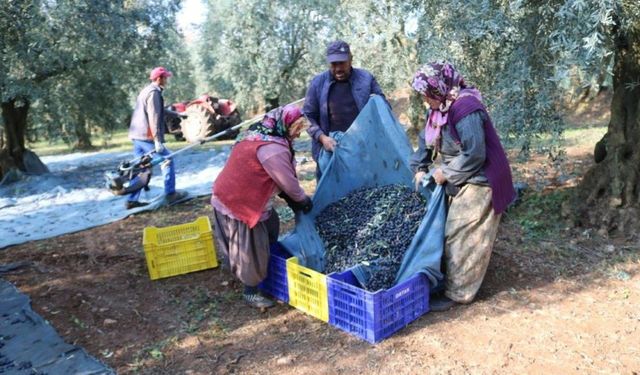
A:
(442, 82)
(274, 126)
(438, 80)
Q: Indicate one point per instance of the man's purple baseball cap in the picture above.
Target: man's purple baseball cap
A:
(338, 51)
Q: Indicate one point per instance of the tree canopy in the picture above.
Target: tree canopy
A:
(265, 50)
(76, 64)
(528, 58)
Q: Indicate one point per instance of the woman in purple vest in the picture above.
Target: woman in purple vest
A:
(261, 165)
(475, 173)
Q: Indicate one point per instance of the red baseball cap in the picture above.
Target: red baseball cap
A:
(159, 72)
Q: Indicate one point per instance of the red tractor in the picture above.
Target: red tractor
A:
(202, 117)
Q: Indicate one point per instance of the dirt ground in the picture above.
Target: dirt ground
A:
(556, 299)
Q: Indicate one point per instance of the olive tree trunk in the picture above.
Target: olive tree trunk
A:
(82, 132)
(14, 154)
(14, 115)
(609, 195)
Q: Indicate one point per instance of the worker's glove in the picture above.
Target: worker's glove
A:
(159, 146)
(305, 206)
(293, 205)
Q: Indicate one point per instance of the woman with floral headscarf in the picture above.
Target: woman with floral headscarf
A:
(475, 173)
(260, 166)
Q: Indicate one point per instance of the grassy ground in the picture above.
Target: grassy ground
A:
(117, 142)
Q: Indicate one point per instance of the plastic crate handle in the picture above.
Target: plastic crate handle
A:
(308, 276)
(346, 290)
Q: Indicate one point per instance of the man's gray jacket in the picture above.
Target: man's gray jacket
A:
(147, 121)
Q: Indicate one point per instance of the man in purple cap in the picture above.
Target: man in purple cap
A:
(336, 97)
(147, 133)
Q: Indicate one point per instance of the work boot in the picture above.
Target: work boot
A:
(176, 197)
(134, 204)
(254, 299)
(441, 304)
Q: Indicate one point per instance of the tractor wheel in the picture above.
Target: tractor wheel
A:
(199, 124)
(229, 122)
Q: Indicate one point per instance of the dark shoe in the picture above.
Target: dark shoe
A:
(257, 300)
(441, 304)
(134, 204)
(176, 197)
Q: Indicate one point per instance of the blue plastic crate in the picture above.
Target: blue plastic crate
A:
(375, 316)
(276, 283)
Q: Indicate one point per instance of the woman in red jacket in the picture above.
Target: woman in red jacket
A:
(261, 165)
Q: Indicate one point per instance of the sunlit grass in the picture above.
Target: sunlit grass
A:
(571, 137)
(120, 142)
(583, 136)
(116, 142)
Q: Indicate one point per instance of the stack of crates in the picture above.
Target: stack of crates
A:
(339, 299)
(179, 249)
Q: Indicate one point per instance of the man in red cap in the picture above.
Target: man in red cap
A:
(147, 133)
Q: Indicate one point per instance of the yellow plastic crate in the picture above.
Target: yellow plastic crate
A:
(179, 249)
(307, 290)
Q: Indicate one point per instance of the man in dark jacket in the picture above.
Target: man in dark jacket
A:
(336, 97)
(147, 133)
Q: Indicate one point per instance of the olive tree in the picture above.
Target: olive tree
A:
(265, 51)
(610, 193)
(75, 64)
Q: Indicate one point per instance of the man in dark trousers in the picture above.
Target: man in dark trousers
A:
(336, 97)
(147, 133)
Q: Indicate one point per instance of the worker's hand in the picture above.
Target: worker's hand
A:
(159, 146)
(439, 176)
(307, 205)
(328, 143)
(417, 179)
(165, 164)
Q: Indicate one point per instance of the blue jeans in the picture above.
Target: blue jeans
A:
(168, 171)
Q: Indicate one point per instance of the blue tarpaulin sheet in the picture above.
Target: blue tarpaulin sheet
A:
(29, 345)
(373, 152)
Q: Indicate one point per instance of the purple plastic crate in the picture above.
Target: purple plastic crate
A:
(276, 283)
(375, 316)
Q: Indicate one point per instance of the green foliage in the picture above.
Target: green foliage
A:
(528, 58)
(380, 38)
(257, 51)
(540, 215)
(79, 63)
(496, 48)
(266, 50)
